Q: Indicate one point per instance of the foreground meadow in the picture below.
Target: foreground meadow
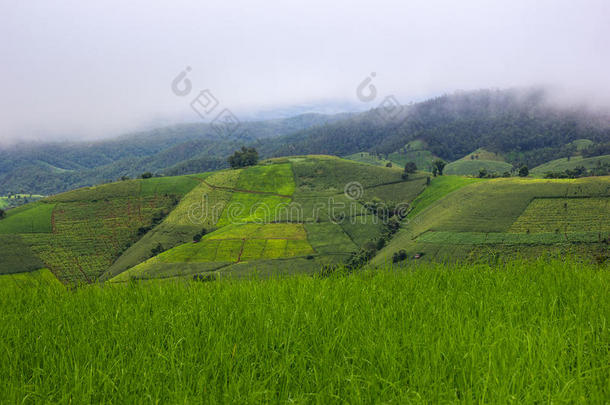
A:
(522, 332)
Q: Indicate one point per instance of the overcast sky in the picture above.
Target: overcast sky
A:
(86, 69)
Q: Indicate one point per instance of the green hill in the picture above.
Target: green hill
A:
(563, 164)
(504, 217)
(473, 163)
(285, 215)
(294, 215)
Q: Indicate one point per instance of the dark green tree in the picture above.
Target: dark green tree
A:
(523, 171)
(146, 175)
(244, 157)
(2, 213)
(410, 167)
(439, 165)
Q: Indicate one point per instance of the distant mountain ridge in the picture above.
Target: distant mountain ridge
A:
(522, 126)
(56, 167)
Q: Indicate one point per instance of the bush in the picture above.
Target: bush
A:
(410, 167)
(156, 250)
(146, 175)
(399, 256)
(204, 278)
(198, 236)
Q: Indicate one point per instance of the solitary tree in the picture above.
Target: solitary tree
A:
(244, 157)
(146, 175)
(439, 165)
(410, 167)
(524, 171)
(2, 213)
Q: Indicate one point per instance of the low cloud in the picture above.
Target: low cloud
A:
(78, 70)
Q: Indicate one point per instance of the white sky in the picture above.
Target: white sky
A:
(97, 68)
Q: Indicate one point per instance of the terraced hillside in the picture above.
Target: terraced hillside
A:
(502, 217)
(287, 215)
(79, 234)
(291, 215)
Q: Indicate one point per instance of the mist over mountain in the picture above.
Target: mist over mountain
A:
(525, 126)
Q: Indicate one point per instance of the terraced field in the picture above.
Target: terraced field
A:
(292, 211)
(287, 215)
(79, 234)
(498, 213)
(564, 215)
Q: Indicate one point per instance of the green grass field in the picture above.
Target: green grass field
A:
(276, 178)
(525, 332)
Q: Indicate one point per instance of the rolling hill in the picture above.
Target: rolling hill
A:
(467, 219)
(563, 164)
(481, 159)
(297, 214)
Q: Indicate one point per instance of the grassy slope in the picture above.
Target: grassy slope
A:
(560, 165)
(490, 206)
(523, 333)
